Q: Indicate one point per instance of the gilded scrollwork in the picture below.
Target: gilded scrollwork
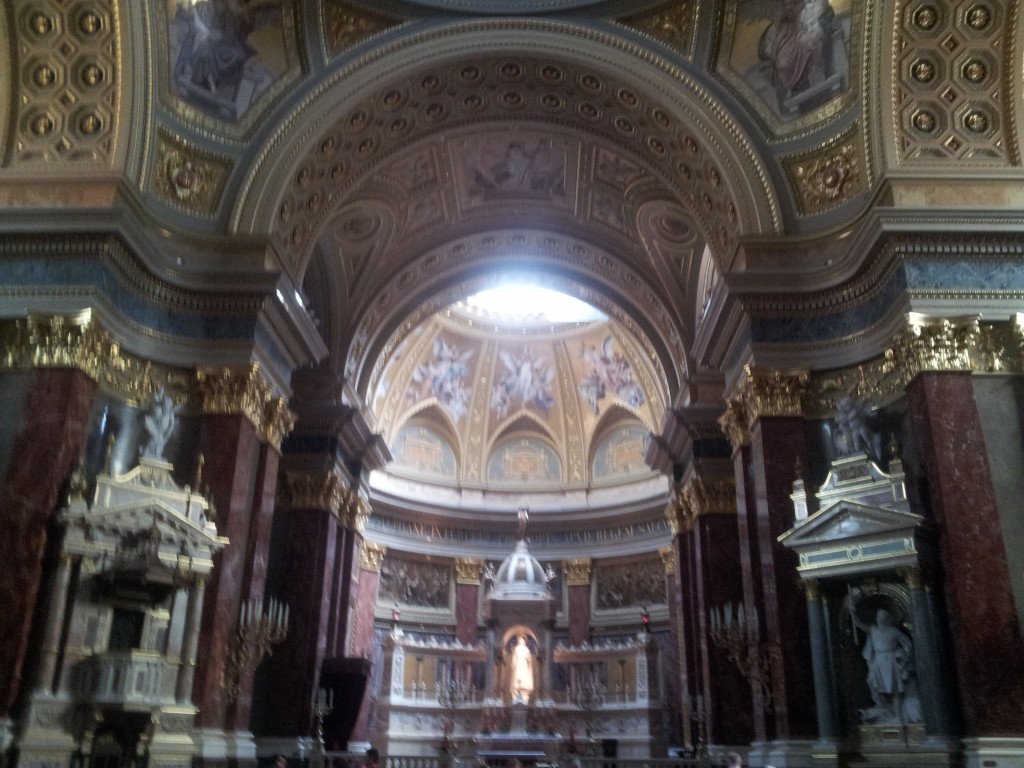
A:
(828, 177)
(710, 495)
(672, 24)
(669, 560)
(346, 25)
(187, 177)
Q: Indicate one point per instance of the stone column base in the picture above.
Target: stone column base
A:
(993, 753)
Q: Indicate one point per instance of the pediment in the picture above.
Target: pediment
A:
(849, 537)
(850, 521)
(148, 518)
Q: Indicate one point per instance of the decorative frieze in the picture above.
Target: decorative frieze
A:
(577, 572)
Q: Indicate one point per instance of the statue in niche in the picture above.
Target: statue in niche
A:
(159, 423)
(852, 434)
(889, 656)
(522, 671)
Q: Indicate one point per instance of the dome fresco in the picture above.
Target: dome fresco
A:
(509, 406)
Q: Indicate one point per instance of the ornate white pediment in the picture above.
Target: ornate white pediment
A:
(850, 537)
(144, 516)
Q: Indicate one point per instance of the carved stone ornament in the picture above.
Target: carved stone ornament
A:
(734, 424)
(246, 391)
(711, 496)
(187, 177)
(371, 555)
(577, 572)
(934, 344)
(670, 560)
(324, 492)
(347, 25)
(468, 570)
(672, 24)
(828, 177)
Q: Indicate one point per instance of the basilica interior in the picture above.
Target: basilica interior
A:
(736, 466)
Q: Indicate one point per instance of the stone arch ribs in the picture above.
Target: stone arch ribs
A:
(434, 81)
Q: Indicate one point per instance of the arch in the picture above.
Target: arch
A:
(720, 173)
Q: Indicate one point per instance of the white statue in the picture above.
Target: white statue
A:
(159, 424)
(522, 671)
(888, 653)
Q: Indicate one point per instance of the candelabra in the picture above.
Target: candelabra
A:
(451, 695)
(739, 635)
(259, 627)
(589, 696)
(323, 705)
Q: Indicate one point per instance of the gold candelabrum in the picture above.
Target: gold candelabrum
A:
(738, 633)
(259, 627)
(323, 705)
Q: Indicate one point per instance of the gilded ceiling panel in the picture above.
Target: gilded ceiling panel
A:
(187, 177)
(67, 91)
(673, 24)
(952, 95)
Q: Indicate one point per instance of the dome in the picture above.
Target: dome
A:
(521, 577)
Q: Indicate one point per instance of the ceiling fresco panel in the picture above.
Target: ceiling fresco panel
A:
(225, 61)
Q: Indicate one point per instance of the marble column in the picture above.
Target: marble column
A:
(370, 558)
(467, 599)
(190, 640)
(305, 552)
(232, 451)
(577, 581)
(55, 611)
(749, 562)
(936, 706)
(46, 445)
(826, 703)
(675, 648)
(777, 443)
(960, 494)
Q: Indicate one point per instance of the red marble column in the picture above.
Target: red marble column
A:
(775, 445)
(986, 633)
(673, 651)
(720, 582)
(577, 580)
(344, 565)
(693, 644)
(309, 557)
(255, 576)
(362, 626)
(467, 599)
(233, 457)
(48, 443)
(749, 563)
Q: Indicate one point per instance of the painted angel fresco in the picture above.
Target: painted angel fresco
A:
(526, 379)
(609, 372)
(443, 377)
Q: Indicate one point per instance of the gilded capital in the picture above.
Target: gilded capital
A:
(468, 570)
(767, 393)
(933, 344)
(734, 424)
(58, 341)
(711, 496)
(577, 572)
(371, 555)
(354, 511)
(670, 560)
(325, 492)
(247, 392)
